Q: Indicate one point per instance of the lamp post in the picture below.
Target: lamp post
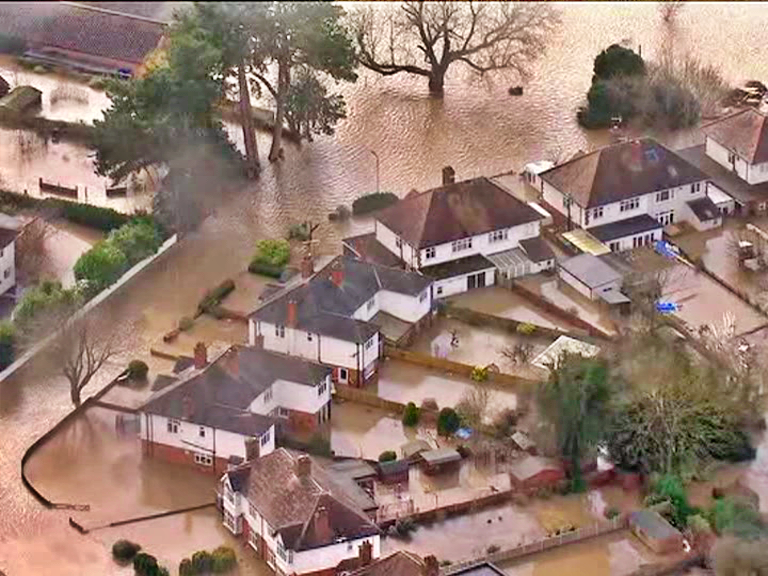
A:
(376, 156)
(568, 200)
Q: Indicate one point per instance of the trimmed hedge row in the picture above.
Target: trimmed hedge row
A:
(271, 258)
(213, 297)
(373, 202)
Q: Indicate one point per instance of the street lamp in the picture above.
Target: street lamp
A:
(376, 156)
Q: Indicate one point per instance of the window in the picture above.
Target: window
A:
(282, 412)
(696, 187)
(229, 493)
(423, 296)
(497, 236)
(369, 344)
(279, 331)
(439, 290)
(614, 246)
(252, 512)
(253, 539)
(281, 551)
(343, 375)
(204, 459)
(7, 273)
(322, 388)
(201, 431)
(2, 252)
(398, 242)
(663, 196)
(429, 253)
(631, 204)
(461, 245)
(371, 303)
(731, 158)
(229, 522)
(268, 396)
(309, 336)
(597, 212)
(264, 440)
(173, 426)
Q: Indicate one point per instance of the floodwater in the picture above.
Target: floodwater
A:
(477, 129)
(363, 432)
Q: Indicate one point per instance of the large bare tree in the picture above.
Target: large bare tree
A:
(31, 251)
(426, 38)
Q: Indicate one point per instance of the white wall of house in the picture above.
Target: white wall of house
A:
(458, 284)
(7, 267)
(199, 439)
(317, 559)
(689, 216)
(405, 307)
(556, 200)
(396, 245)
(294, 396)
(731, 161)
(635, 240)
(757, 173)
(369, 309)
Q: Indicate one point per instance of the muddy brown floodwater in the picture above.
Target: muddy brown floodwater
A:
(478, 129)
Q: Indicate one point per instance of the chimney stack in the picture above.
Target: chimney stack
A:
(337, 273)
(201, 355)
(431, 567)
(292, 314)
(307, 267)
(322, 524)
(366, 553)
(303, 466)
(449, 175)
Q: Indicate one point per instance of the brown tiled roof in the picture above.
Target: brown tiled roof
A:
(621, 171)
(400, 563)
(81, 29)
(745, 132)
(455, 211)
(290, 503)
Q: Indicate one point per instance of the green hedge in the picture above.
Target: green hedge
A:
(45, 298)
(7, 344)
(270, 258)
(265, 269)
(388, 456)
(213, 297)
(125, 550)
(373, 202)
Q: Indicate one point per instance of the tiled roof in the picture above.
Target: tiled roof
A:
(621, 171)
(455, 211)
(400, 563)
(366, 247)
(745, 132)
(292, 504)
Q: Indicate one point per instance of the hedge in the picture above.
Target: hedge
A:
(265, 269)
(7, 343)
(270, 258)
(136, 239)
(137, 370)
(100, 267)
(373, 202)
(388, 456)
(125, 550)
(213, 297)
(46, 297)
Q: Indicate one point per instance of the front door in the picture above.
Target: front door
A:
(475, 281)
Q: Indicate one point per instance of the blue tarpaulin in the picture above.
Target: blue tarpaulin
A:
(667, 307)
(665, 249)
(464, 433)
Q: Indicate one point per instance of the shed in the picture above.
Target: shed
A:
(393, 472)
(592, 277)
(410, 450)
(550, 356)
(534, 472)
(21, 99)
(523, 442)
(436, 461)
(655, 532)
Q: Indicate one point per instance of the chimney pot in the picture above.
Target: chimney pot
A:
(303, 466)
(449, 175)
(201, 355)
(322, 524)
(366, 553)
(431, 567)
(337, 273)
(292, 314)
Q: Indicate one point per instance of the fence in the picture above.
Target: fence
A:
(578, 535)
(368, 398)
(57, 189)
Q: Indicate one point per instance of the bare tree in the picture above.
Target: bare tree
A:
(32, 257)
(426, 38)
(473, 405)
(669, 10)
(519, 353)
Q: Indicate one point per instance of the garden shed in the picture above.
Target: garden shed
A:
(533, 472)
(436, 461)
(393, 472)
(655, 532)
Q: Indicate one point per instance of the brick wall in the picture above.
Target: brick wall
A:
(181, 456)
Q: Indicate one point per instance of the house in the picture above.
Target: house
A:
(80, 36)
(533, 472)
(294, 516)
(337, 316)
(233, 406)
(626, 193)
(10, 229)
(735, 158)
(655, 532)
(592, 277)
(400, 563)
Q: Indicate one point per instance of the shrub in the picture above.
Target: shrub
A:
(105, 219)
(737, 517)
(137, 240)
(670, 487)
(124, 550)
(100, 267)
(698, 524)
(7, 342)
(372, 202)
(388, 456)
(479, 374)
(411, 414)
(404, 526)
(265, 269)
(137, 370)
(526, 328)
(202, 562)
(270, 258)
(224, 559)
(185, 323)
(44, 299)
(185, 568)
(97, 83)
(447, 422)
(145, 565)
(492, 549)
(299, 232)
(611, 512)
(213, 297)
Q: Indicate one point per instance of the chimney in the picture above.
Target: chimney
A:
(303, 466)
(187, 407)
(323, 530)
(449, 175)
(201, 355)
(252, 449)
(431, 567)
(337, 273)
(366, 553)
(307, 266)
(292, 314)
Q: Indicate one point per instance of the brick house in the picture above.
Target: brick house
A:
(293, 515)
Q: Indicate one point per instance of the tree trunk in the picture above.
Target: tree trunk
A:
(436, 82)
(246, 119)
(283, 80)
(74, 394)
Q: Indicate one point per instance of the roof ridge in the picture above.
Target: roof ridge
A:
(110, 12)
(729, 116)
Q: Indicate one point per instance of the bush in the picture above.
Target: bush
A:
(97, 83)
(270, 258)
(698, 524)
(202, 562)
(670, 487)
(137, 370)
(479, 374)
(492, 549)
(213, 297)
(372, 202)
(7, 342)
(404, 526)
(299, 232)
(44, 299)
(145, 565)
(124, 550)
(100, 267)
(105, 219)
(411, 414)
(447, 422)
(737, 517)
(185, 568)
(525, 328)
(611, 512)
(265, 269)
(137, 240)
(388, 456)
(186, 323)
(224, 559)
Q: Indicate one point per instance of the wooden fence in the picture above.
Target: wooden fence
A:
(578, 535)
(58, 189)
(361, 396)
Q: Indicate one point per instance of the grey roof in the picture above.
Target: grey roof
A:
(745, 132)
(590, 270)
(220, 394)
(455, 211)
(624, 228)
(704, 209)
(414, 447)
(441, 456)
(354, 468)
(325, 308)
(366, 247)
(653, 524)
(393, 467)
(621, 171)
(467, 265)
(537, 249)
(480, 569)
